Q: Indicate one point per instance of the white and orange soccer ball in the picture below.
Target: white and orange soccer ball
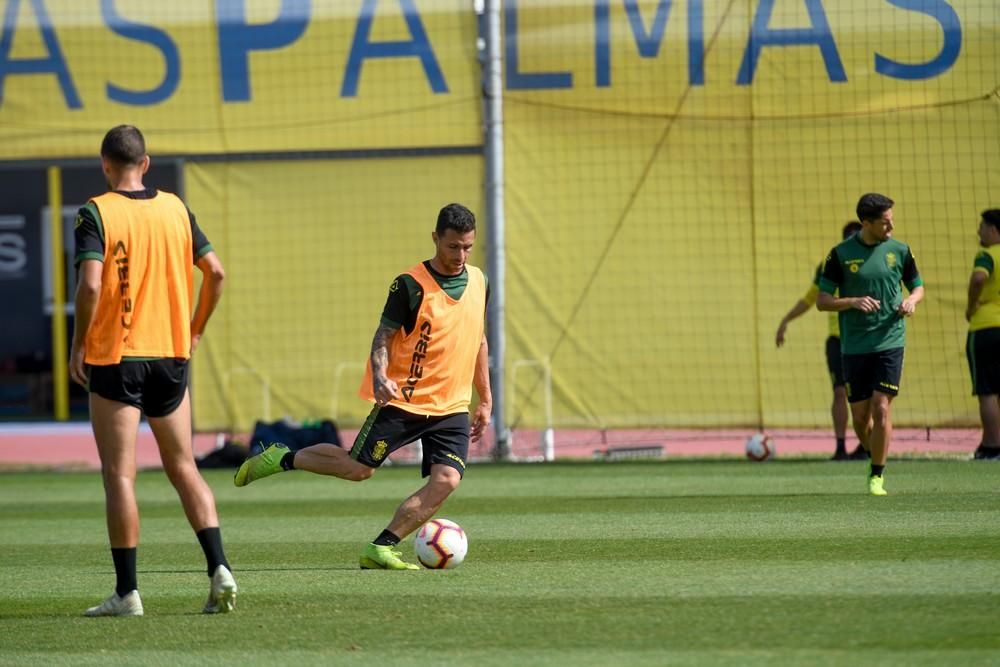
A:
(760, 447)
(440, 544)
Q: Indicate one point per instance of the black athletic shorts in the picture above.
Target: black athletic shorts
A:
(834, 363)
(156, 387)
(871, 372)
(982, 348)
(445, 439)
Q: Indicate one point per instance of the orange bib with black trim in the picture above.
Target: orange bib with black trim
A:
(147, 285)
(435, 363)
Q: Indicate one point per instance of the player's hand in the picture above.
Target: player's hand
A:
(77, 367)
(779, 338)
(969, 312)
(481, 419)
(385, 389)
(866, 304)
(906, 308)
(195, 339)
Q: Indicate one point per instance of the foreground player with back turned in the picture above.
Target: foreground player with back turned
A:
(134, 333)
(428, 350)
(865, 272)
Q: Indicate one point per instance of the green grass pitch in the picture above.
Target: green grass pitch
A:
(651, 563)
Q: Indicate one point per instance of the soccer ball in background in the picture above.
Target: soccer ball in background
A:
(760, 447)
(440, 544)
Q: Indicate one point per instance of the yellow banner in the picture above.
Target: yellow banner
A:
(310, 249)
(675, 171)
(238, 75)
(734, 59)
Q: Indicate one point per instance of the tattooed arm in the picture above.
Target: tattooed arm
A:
(384, 388)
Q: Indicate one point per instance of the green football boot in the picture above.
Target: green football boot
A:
(378, 557)
(260, 465)
(875, 487)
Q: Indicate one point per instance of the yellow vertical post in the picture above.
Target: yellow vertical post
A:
(60, 366)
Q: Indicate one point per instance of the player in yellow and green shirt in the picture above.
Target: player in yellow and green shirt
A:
(865, 272)
(838, 408)
(983, 344)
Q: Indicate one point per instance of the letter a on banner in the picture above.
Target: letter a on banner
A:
(819, 34)
(55, 63)
(363, 48)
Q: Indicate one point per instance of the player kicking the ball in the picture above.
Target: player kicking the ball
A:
(429, 349)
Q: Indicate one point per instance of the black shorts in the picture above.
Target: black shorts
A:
(834, 362)
(982, 348)
(156, 387)
(445, 439)
(871, 372)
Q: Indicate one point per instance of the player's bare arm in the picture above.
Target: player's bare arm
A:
(483, 414)
(976, 284)
(88, 291)
(213, 277)
(828, 302)
(797, 310)
(384, 388)
(909, 304)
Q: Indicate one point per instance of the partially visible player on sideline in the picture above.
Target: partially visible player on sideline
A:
(983, 343)
(839, 411)
(134, 334)
(865, 272)
(428, 350)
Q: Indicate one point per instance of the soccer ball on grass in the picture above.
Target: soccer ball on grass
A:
(440, 544)
(760, 447)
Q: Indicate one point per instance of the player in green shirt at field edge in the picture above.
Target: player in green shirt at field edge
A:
(866, 272)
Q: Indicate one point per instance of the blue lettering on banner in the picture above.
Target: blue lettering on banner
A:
(237, 39)
(602, 44)
(648, 43)
(819, 35)
(418, 47)
(516, 79)
(154, 37)
(696, 42)
(945, 15)
(55, 63)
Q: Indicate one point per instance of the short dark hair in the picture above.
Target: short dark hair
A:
(124, 145)
(457, 217)
(991, 216)
(851, 228)
(871, 206)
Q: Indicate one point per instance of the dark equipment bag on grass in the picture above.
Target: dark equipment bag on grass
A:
(295, 437)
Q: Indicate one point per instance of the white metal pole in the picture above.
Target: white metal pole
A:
(496, 260)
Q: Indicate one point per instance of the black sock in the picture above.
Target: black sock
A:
(124, 560)
(211, 543)
(288, 461)
(841, 446)
(877, 470)
(386, 539)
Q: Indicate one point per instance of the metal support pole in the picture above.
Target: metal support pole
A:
(60, 362)
(496, 260)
